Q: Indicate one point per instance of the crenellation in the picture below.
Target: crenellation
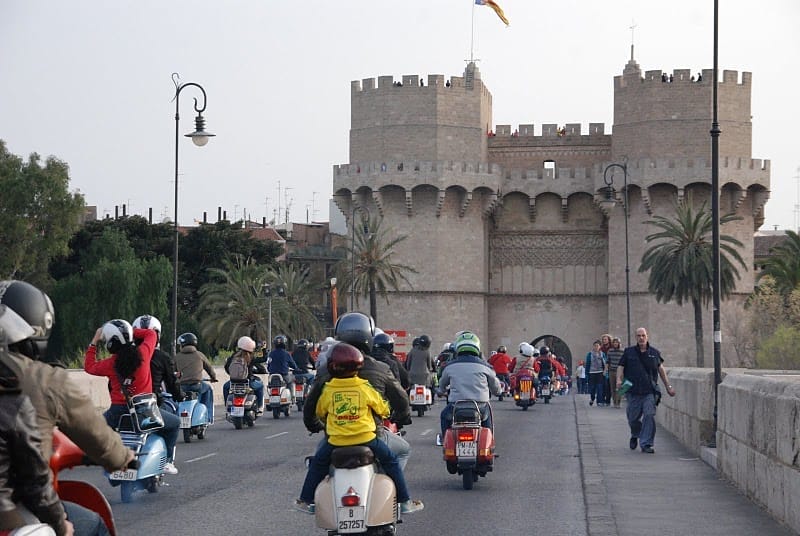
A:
(410, 80)
(549, 130)
(682, 75)
(730, 77)
(526, 130)
(596, 129)
(367, 84)
(436, 80)
(572, 129)
(385, 81)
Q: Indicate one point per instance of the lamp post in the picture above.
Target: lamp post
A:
(334, 301)
(200, 138)
(353, 251)
(608, 203)
(716, 283)
(267, 289)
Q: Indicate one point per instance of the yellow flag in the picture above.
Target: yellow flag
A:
(497, 9)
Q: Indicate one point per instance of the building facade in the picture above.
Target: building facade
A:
(505, 227)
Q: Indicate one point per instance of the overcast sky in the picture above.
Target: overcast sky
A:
(88, 81)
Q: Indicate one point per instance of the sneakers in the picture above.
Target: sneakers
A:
(633, 443)
(411, 506)
(170, 469)
(304, 507)
(438, 440)
(648, 450)
(591, 402)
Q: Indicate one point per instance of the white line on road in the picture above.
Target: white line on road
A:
(201, 458)
(275, 435)
(426, 432)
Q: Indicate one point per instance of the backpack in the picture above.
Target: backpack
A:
(237, 370)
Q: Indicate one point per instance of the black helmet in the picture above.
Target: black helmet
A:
(424, 342)
(344, 361)
(13, 327)
(357, 329)
(544, 350)
(416, 343)
(279, 341)
(187, 339)
(35, 308)
(382, 340)
(302, 343)
(502, 349)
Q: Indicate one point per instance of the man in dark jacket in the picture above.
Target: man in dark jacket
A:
(383, 351)
(162, 367)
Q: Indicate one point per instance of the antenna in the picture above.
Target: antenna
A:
(266, 206)
(313, 206)
(632, 28)
(288, 201)
(278, 212)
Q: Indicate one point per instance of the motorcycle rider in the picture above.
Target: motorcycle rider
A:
(302, 357)
(525, 362)
(353, 424)
(162, 367)
(383, 351)
(191, 363)
(357, 329)
(502, 364)
(419, 363)
(58, 401)
(26, 481)
(469, 377)
(280, 362)
(245, 349)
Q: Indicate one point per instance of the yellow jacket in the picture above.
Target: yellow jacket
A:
(346, 406)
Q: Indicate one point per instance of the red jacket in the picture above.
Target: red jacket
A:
(142, 381)
(500, 363)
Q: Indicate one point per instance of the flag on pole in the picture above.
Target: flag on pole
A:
(497, 9)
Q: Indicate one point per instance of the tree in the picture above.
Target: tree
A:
(38, 215)
(681, 261)
(375, 271)
(781, 350)
(783, 264)
(293, 314)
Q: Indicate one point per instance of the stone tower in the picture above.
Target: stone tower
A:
(505, 229)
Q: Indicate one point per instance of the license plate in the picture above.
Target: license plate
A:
(127, 474)
(525, 395)
(466, 449)
(418, 400)
(237, 411)
(186, 422)
(351, 519)
(545, 391)
(275, 400)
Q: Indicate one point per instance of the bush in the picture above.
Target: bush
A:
(781, 350)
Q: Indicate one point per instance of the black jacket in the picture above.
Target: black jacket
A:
(398, 371)
(162, 368)
(303, 359)
(379, 376)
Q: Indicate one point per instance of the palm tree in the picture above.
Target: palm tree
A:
(783, 264)
(681, 262)
(293, 314)
(375, 271)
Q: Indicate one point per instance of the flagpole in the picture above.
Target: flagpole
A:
(472, 34)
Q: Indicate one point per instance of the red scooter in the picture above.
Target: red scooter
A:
(468, 447)
(524, 393)
(67, 455)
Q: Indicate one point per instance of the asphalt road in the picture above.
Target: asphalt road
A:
(245, 480)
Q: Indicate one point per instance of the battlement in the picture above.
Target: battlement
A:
(683, 78)
(548, 130)
(414, 168)
(413, 82)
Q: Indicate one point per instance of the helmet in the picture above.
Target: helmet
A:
(468, 343)
(502, 349)
(187, 339)
(544, 350)
(35, 308)
(535, 352)
(13, 327)
(357, 329)
(382, 340)
(416, 343)
(378, 331)
(302, 343)
(278, 342)
(526, 349)
(425, 341)
(345, 361)
(249, 345)
(150, 322)
(117, 333)
(446, 346)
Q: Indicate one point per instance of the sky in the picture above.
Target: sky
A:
(89, 82)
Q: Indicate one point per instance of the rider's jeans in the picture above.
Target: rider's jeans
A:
(205, 395)
(86, 522)
(395, 442)
(446, 417)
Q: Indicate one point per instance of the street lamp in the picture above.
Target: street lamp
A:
(717, 282)
(365, 223)
(200, 138)
(607, 204)
(280, 291)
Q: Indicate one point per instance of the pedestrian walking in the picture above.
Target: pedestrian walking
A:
(614, 354)
(642, 365)
(580, 377)
(596, 367)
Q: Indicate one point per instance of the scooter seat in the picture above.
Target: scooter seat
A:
(352, 457)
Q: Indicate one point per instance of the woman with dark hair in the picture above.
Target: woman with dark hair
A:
(128, 369)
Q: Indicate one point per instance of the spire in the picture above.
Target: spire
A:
(632, 67)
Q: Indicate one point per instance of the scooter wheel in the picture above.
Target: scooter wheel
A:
(237, 423)
(420, 412)
(467, 479)
(299, 406)
(201, 433)
(286, 412)
(525, 408)
(152, 486)
(276, 413)
(187, 435)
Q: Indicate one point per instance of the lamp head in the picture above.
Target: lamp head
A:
(608, 202)
(199, 136)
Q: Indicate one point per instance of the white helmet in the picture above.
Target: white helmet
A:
(535, 352)
(446, 346)
(526, 349)
(116, 334)
(246, 343)
(148, 322)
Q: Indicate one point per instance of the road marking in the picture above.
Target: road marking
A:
(426, 432)
(200, 458)
(688, 459)
(275, 435)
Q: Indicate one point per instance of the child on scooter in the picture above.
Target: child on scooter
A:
(347, 404)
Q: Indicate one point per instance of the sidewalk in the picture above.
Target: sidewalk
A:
(670, 492)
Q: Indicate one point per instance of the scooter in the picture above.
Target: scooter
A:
(355, 498)
(240, 407)
(194, 417)
(524, 393)
(280, 398)
(67, 455)
(149, 447)
(420, 398)
(468, 447)
(300, 391)
(545, 389)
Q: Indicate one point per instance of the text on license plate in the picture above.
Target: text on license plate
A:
(545, 391)
(351, 519)
(237, 411)
(186, 422)
(418, 400)
(275, 400)
(466, 448)
(127, 474)
(525, 395)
